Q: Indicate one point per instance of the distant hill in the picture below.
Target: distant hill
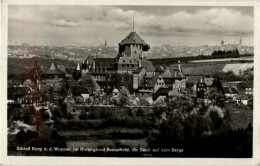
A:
(22, 66)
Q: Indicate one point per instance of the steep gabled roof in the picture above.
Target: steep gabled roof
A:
(159, 69)
(53, 70)
(104, 62)
(148, 66)
(79, 90)
(138, 70)
(247, 84)
(133, 38)
(229, 90)
(167, 74)
(176, 73)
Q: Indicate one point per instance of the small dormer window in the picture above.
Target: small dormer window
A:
(123, 61)
(130, 61)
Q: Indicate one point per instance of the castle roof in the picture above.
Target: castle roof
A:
(134, 38)
(53, 70)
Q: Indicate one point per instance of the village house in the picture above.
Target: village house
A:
(242, 87)
(51, 76)
(248, 87)
(24, 96)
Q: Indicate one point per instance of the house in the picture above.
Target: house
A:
(241, 87)
(203, 86)
(242, 99)
(115, 93)
(174, 77)
(80, 92)
(51, 76)
(28, 83)
(248, 86)
(161, 93)
(159, 83)
(14, 83)
(237, 85)
(230, 92)
(24, 96)
(159, 69)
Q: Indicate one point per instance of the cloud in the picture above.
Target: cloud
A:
(217, 21)
(92, 23)
(63, 23)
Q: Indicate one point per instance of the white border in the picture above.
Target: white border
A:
(10, 160)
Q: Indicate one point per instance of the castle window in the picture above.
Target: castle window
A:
(132, 65)
(127, 65)
(123, 65)
(123, 61)
(135, 52)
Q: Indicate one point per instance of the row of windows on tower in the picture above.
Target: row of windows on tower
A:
(124, 61)
(137, 46)
(128, 65)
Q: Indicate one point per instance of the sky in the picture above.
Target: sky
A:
(65, 25)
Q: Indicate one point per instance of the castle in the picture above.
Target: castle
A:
(147, 79)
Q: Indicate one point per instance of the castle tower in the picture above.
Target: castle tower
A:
(133, 46)
(240, 42)
(77, 72)
(105, 42)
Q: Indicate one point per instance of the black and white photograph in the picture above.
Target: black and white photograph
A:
(133, 81)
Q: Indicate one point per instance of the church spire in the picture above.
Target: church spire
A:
(133, 24)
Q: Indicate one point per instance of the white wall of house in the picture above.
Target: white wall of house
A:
(159, 84)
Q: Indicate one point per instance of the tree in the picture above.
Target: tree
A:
(64, 109)
(216, 120)
(88, 81)
(83, 115)
(127, 79)
(124, 97)
(116, 80)
(144, 101)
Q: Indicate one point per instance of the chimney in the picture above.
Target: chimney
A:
(139, 64)
(175, 73)
(201, 79)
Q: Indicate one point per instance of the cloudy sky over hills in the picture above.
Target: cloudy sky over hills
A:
(91, 25)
